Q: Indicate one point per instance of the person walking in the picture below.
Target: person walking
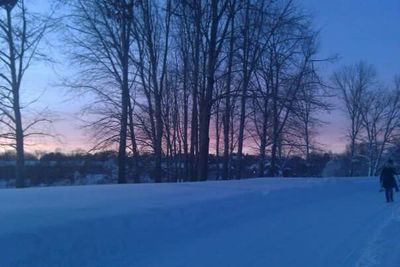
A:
(388, 180)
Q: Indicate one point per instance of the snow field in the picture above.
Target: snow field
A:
(258, 222)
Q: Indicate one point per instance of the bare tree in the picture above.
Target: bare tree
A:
(228, 99)
(21, 34)
(311, 101)
(99, 37)
(380, 109)
(288, 60)
(151, 29)
(353, 82)
(219, 21)
(251, 48)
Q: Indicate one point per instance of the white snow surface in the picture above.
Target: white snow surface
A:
(259, 222)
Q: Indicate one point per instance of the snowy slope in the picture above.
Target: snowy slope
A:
(259, 222)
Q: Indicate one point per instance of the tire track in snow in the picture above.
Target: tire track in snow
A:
(380, 250)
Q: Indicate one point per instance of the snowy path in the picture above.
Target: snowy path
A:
(260, 222)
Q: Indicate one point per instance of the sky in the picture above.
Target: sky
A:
(354, 30)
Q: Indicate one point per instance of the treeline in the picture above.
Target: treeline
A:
(46, 169)
(50, 169)
(81, 168)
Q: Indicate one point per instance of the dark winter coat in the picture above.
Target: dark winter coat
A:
(388, 179)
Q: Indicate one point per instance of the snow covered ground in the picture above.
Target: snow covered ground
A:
(258, 222)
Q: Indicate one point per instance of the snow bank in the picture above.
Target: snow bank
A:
(258, 222)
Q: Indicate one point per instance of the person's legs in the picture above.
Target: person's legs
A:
(391, 194)
(387, 194)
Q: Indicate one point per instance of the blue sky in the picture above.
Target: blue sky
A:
(360, 30)
(354, 30)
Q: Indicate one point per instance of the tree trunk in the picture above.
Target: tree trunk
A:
(246, 78)
(15, 86)
(217, 140)
(136, 176)
(158, 144)
(20, 181)
(275, 130)
(194, 137)
(125, 45)
(185, 123)
(205, 104)
(263, 143)
(228, 108)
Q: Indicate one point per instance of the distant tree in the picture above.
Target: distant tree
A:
(285, 73)
(380, 109)
(352, 83)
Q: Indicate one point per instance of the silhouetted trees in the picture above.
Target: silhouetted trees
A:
(187, 90)
(373, 111)
(247, 67)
